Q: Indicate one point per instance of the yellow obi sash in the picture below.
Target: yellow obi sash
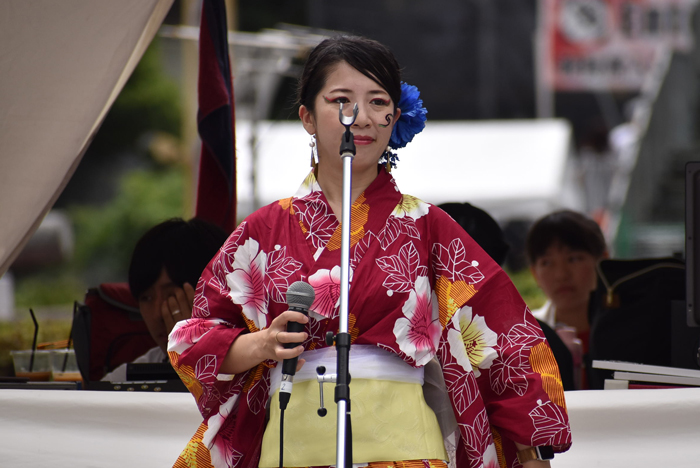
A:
(390, 418)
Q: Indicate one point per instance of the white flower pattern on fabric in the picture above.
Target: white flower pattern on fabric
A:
(478, 442)
(227, 253)
(411, 206)
(403, 220)
(308, 186)
(205, 367)
(217, 446)
(326, 284)
(360, 248)
(320, 221)
(476, 337)
(402, 269)
(457, 369)
(452, 262)
(280, 267)
(246, 282)
(185, 333)
(457, 349)
(512, 367)
(550, 423)
(258, 395)
(418, 333)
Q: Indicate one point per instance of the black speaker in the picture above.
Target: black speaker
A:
(692, 243)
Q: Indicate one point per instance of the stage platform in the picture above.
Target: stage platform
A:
(100, 429)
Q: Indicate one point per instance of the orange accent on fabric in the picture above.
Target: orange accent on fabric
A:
(498, 443)
(408, 464)
(195, 454)
(359, 213)
(354, 332)
(174, 359)
(462, 291)
(285, 203)
(335, 240)
(543, 362)
(250, 324)
(451, 296)
(255, 375)
(186, 374)
(446, 305)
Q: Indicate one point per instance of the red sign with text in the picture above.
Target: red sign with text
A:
(611, 45)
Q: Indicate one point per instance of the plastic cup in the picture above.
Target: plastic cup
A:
(40, 369)
(64, 366)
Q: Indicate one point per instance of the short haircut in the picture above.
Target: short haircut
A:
(570, 228)
(183, 248)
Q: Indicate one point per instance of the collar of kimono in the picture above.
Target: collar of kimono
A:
(380, 199)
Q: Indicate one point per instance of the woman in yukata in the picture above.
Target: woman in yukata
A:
(426, 304)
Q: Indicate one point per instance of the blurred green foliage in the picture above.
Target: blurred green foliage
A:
(105, 236)
(56, 285)
(528, 289)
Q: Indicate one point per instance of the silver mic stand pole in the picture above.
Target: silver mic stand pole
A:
(342, 339)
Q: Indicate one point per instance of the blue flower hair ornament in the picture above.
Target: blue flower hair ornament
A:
(410, 123)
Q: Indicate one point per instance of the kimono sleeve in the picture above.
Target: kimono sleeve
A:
(198, 346)
(500, 373)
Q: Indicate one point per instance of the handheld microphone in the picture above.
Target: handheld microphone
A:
(300, 296)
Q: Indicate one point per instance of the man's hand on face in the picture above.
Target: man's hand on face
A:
(178, 306)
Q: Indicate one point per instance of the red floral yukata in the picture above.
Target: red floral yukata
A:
(420, 288)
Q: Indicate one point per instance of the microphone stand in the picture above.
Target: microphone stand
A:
(342, 339)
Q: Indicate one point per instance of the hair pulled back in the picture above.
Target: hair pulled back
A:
(369, 57)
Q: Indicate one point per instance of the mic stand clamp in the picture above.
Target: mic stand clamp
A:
(347, 144)
(322, 378)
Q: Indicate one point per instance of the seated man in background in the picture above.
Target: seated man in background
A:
(563, 249)
(165, 267)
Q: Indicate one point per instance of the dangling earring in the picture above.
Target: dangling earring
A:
(314, 155)
(387, 166)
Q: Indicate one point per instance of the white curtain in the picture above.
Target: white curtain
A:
(62, 65)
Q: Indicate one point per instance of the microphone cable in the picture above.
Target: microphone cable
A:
(281, 438)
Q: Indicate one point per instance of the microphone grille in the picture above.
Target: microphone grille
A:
(300, 294)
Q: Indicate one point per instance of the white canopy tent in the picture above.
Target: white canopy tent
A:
(62, 65)
(519, 169)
